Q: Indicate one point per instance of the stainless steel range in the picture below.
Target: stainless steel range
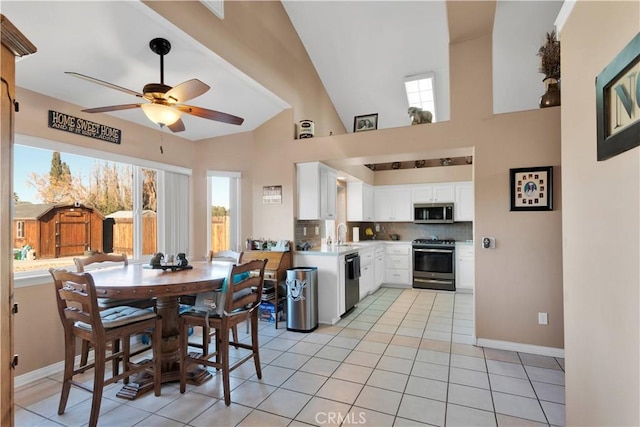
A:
(434, 264)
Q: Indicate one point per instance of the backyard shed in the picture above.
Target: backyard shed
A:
(57, 230)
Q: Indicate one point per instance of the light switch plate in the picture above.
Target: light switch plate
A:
(543, 319)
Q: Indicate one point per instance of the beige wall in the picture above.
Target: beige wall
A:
(601, 225)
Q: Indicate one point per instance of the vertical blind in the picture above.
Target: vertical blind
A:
(173, 202)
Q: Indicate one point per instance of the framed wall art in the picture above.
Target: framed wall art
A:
(618, 103)
(366, 122)
(532, 189)
(271, 194)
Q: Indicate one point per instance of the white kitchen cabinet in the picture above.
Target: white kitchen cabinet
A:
(359, 201)
(393, 203)
(398, 263)
(330, 282)
(465, 274)
(379, 266)
(367, 279)
(464, 202)
(317, 191)
(443, 192)
(367, 275)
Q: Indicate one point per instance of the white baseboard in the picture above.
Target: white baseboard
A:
(523, 348)
(47, 371)
(58, 367)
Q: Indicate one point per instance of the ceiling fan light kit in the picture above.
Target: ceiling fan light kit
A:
(161, 114)
(165, 106)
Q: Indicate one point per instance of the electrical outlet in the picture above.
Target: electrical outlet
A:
(377, 228)
(304, 231)
(542, 319)
(317, 230)
(488, 242)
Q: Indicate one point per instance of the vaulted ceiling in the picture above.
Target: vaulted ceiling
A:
(362, 51)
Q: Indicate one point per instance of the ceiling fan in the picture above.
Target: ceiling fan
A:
(165, 106)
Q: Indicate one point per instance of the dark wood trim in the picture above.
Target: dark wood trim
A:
(14, 40)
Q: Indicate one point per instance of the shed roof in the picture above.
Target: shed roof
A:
(27, 210)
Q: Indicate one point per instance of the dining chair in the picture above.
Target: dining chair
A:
(81, 318)
(207, 333)
(105, 303)
(221, 311)
(112, 259)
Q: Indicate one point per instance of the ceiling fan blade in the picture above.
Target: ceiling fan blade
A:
(111, 108)
(106, 84)
(177, 126)
(187, 90)
(210, 114)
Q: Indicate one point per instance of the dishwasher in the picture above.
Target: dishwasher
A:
(351, 281)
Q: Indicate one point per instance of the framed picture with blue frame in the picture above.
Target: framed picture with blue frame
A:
(532, 188)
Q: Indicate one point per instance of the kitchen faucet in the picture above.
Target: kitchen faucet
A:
(340, 239)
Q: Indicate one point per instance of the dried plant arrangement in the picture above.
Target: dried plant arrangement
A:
(549, 54)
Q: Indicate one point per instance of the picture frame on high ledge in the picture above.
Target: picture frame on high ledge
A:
(365, 122)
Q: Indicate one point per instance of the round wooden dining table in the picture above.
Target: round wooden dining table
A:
(167, 285)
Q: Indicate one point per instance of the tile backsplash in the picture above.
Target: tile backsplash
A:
(311, 237)
(410, 231)
(406, 230)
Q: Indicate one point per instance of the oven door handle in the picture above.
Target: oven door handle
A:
(415, 279)
(440, 251)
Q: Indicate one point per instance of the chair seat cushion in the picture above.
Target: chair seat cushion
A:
(132, 302)
(201, 312)
(121, 315)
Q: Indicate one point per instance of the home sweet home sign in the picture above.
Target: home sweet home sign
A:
(80, 126)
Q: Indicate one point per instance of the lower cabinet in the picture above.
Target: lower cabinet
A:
(465, 274)
(379, 265)
(367, 275)
(398, 264)
(331, 292)
(367, 280)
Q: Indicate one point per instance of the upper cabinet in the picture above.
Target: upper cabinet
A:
(317, 191)
(464, 201)
(359, 201)
(433, 193)
(393, 203)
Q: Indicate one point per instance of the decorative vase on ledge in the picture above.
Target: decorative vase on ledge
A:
(551, 98)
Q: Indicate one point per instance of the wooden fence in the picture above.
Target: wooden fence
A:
(123, 235)
(220, 233)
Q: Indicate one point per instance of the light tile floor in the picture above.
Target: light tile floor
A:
(401, 358)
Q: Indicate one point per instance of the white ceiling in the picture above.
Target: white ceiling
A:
(110, 41)
(362, 50)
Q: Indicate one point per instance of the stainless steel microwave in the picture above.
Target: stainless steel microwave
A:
(433, 213)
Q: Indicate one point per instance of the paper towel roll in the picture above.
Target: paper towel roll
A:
(356, 234)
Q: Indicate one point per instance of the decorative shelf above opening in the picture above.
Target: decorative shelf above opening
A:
(427, 163)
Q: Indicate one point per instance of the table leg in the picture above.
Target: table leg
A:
(167, 307)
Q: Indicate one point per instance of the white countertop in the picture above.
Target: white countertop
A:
(464, 242)
(349, 247)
